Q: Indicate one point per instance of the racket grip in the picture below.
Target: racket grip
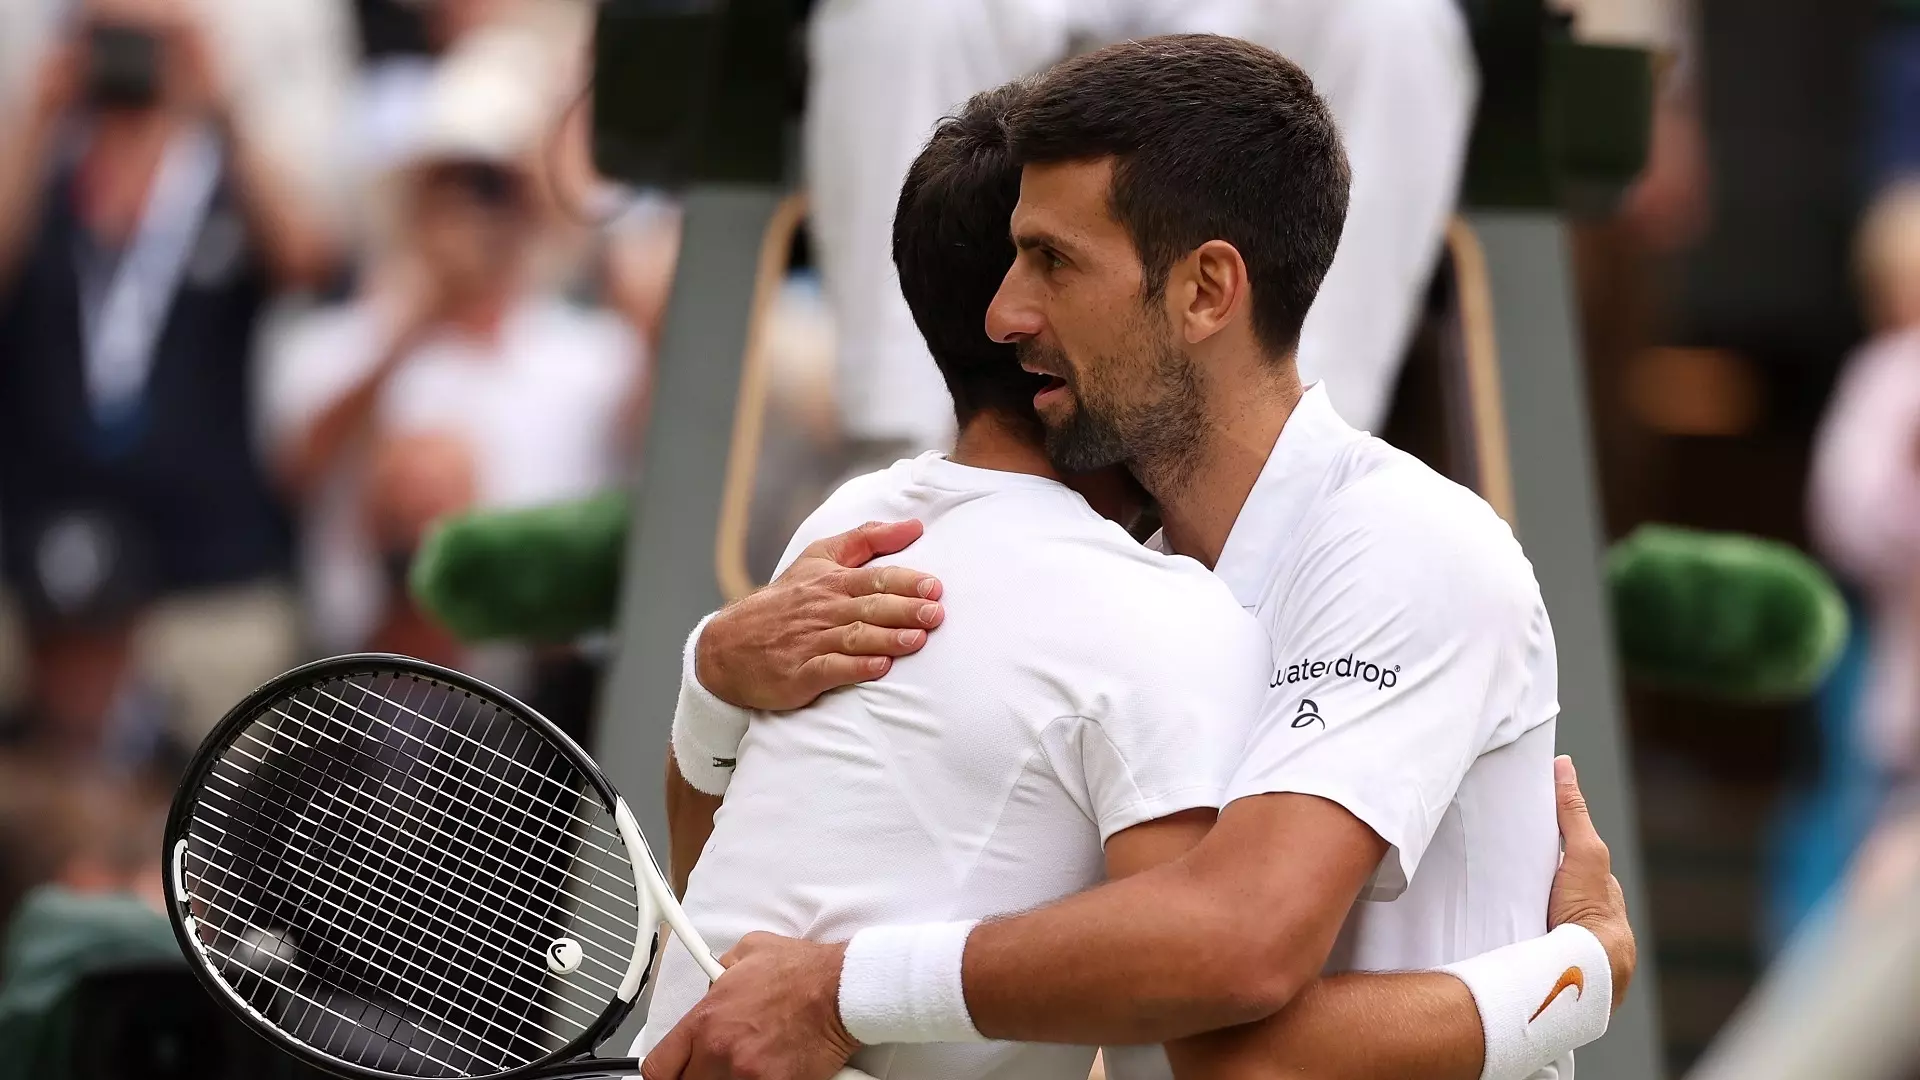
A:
(851, 1074)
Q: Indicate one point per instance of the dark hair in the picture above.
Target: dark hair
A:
(1213, 139)
(952, 249)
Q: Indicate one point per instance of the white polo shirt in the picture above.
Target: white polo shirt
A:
(1080, 685)
(1413, 682)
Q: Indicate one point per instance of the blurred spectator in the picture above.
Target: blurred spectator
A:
(143, 228)
(80, 829)
(1865, 483)
(394, 86)
(288, 64)
(1865, 515)
(396, 83)
(456, 378)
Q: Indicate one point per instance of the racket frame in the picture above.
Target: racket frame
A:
(653, 897)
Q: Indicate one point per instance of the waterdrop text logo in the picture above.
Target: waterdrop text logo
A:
(1384, 676)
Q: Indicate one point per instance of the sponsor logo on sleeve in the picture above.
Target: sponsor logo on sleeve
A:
(1346, 667)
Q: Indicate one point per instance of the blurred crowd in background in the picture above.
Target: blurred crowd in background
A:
(283, 282)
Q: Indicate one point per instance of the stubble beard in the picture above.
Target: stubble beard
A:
(1159, 438)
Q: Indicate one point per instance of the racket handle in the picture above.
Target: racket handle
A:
(851, 1074)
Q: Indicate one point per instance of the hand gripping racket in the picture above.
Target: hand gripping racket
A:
(392, 870)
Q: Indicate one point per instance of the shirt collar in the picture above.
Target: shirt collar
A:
(1313, 436)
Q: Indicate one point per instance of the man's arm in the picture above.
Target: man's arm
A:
(689, 824)
(26, 142)
(1224, 935)
(1432, 1026)
(1420, 1023)
(300, 248)
(401, 308)
(1358, 1026)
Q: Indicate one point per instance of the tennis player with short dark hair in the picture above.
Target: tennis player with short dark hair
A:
(1179, 202)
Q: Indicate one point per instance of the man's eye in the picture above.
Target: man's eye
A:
(1054, 261)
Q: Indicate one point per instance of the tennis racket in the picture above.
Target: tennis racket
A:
(393, 870)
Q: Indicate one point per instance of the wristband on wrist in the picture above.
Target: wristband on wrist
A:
(706, 730)
(1539, 999)
(901, 984)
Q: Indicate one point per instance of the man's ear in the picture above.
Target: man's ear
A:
(1210, 288)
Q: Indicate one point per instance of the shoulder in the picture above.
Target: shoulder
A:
(1398, 527)
(309, 359)
(321, 329)
(1140, 610)
(854, 503)
(580, 334)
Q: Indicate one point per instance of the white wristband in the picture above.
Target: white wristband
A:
(706, 730)
(901, 984)
(1540, 999)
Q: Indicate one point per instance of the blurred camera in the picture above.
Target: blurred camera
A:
(695, 90)
(123, 66)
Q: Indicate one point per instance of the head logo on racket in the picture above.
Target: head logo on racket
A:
(563, 956)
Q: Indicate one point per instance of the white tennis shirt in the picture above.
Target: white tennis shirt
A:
(1081, 684)
(1413, 681)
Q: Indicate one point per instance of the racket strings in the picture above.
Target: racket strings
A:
(420, 870)
(597, 826)
(406, 989)
(438, 913)
(411, 982)
(505, 759)
(394, 807)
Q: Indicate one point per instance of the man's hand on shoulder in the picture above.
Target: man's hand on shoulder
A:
(828, 621)
(1584, 890)
(774, 1015)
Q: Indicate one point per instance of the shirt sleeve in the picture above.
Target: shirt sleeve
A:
(1163, 736)
(1405, 648)
(308, 362)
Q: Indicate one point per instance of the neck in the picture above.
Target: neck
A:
(116, 128)
(481, 315)
(1200, 501)
(118, 167)
(989, 441)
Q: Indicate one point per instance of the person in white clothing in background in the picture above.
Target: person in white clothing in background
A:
(1398, 735)
(1399, 75)
(456, 380)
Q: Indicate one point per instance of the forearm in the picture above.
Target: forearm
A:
(1156, 957)
(689, 824)
(23, 156)
(300, 247)
(312, 450)
(1223, 936)
(1416, 1024)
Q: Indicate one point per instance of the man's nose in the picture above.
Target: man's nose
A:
(1012, 317)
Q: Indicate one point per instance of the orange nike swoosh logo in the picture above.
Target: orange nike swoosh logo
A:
(1572, 977)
